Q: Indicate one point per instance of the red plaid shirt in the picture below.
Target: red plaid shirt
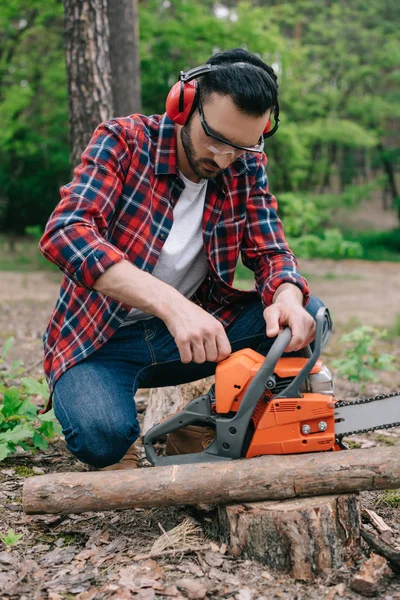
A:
(120, 206)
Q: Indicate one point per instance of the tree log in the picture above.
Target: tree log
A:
(255, 479)
(303, 537)
(165, 401)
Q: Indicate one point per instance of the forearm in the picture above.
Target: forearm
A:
(126, 283)
(288, 292)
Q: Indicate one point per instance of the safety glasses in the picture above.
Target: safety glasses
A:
(217, 148)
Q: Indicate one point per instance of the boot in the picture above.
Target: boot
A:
(129, 461)
(192, 438)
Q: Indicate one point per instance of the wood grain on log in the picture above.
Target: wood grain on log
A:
(263, 478)
(303, 537)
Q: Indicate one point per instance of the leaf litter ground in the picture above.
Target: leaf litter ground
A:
(95, 556)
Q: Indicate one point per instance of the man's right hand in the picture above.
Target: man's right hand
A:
(200, 337)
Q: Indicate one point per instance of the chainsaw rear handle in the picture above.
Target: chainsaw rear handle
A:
(198, 411)
(230, 432)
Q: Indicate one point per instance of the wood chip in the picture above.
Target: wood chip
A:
(376, 520)
(372, 577)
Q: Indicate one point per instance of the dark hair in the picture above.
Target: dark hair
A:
(252, 86)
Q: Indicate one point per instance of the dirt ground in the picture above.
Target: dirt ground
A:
(92, 556)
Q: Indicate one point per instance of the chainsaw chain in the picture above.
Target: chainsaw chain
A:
(341, 403)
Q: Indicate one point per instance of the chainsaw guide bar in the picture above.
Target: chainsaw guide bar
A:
(356, 414)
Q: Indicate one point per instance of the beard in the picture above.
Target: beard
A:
(198, 165)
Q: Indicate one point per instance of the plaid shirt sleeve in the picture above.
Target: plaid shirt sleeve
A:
(74, 238)
(265, 250)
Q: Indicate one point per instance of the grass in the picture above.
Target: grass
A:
(22, 255)
(24, 471)
(390, 498)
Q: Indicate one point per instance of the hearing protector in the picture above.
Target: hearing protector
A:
(182, 98)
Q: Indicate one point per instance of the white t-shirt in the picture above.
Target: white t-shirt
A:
(182, 262)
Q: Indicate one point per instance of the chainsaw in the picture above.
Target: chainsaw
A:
(275, 405)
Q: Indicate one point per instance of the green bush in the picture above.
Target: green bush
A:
(377, 245)
(362, 359)
(330, 245)
(21, 425)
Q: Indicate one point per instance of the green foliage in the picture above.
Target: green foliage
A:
(34, 154)
(390, 498)
(362, 359)
(338, 81)
(20, 424)
(378, 245)
(330, 245)
(300, 214)
(394, 330)
(11, 538)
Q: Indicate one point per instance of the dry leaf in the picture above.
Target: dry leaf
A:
(193, 588)
(59, 556)
(123, 594)
(217, 574)
(244, 594)
(6, 558)
(148, 594)
(213, 559)
(170, 590)
(338, 590)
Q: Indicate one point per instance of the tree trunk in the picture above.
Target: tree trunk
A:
(388, 168)
(88, 70)
(303, 537)
(247, 480)
(165, 401)
(123, 18)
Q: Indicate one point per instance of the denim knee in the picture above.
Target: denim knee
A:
(99, 446)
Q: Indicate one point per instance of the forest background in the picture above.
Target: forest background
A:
(334, 167)
(337, 146)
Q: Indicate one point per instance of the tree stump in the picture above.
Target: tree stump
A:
(302, 537)
(165, 401)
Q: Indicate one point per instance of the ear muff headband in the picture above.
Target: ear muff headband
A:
(182, 97)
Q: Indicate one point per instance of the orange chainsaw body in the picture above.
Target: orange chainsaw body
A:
(277, 422)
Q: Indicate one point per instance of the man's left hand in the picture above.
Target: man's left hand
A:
(287, 311)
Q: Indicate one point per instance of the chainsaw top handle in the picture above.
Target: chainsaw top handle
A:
(231, 431)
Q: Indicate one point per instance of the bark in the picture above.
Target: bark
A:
(123, 18)
(389, 170)
(256, 479)
(303, 537)
(88, 70)
(164, 402)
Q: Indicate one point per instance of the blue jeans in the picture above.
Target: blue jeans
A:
(94, 400)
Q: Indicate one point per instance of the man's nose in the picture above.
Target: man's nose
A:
(223, 160)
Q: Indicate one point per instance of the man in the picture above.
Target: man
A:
(148, 235)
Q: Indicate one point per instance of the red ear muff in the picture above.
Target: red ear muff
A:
(270, 127)
(267, 127)
(180, 101)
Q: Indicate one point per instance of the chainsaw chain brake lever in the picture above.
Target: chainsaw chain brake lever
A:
(231, 431)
